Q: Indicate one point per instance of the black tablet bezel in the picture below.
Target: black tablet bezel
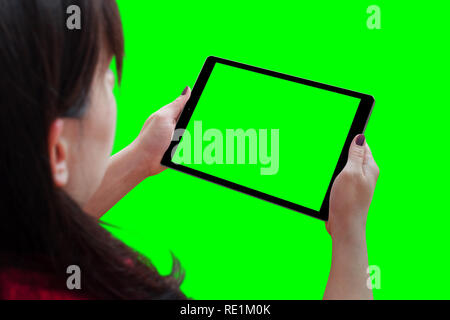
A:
(358, 126)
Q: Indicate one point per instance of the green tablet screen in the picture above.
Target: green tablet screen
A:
(268, 134)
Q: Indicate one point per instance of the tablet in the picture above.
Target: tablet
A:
(270, 135)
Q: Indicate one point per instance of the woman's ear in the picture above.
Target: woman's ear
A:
(58, 154)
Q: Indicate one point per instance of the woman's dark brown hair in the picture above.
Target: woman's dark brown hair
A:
(46, 71)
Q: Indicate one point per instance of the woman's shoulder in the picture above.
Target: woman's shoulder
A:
(20, 284)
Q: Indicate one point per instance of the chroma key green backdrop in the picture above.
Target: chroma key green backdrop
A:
(233, 246)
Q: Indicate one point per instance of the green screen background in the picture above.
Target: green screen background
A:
(234, 246)
(301, 114)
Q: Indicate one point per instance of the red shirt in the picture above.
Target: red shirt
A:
(16, 284)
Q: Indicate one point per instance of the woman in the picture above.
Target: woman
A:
(57, 123)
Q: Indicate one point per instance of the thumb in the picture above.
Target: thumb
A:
(173, 109)
(356, 152)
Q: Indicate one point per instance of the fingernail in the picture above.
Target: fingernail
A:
(360, 140)
(184, 91)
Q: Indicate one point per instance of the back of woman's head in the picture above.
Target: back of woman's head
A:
(46, 73)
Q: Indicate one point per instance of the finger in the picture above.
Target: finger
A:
(356, 152)
(368, 158)
(370, 165)
(173, 109)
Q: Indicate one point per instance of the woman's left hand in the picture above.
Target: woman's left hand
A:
(139, 160)
(156, 135)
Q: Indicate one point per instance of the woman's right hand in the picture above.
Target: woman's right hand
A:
(352, 192)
